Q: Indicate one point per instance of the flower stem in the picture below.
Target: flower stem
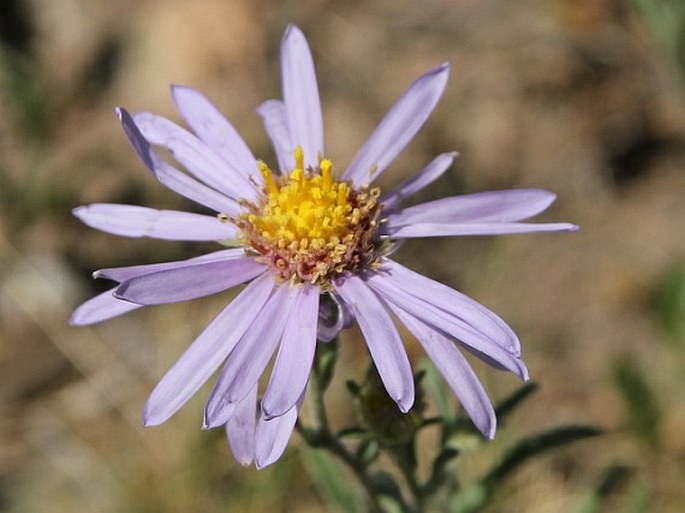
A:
(321, 437)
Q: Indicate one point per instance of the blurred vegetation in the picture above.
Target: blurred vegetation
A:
(580, 97)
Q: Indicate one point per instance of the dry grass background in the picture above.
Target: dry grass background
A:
(574, 96)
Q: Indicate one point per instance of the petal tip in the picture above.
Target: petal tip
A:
(150, 420)
(405, 403)
(75, 320)
(291, 30)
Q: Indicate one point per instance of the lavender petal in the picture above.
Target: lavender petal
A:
(275, 121)
(197, 279)
(449, 230)
(172, 177)
(100, 308)
(240, 429)
(135, 221)
(272, 436)
(207, 352)
(195, 156)
(385, 344)
(249, 359)
(398, 127)
(420, 180)
(216, 131)
(335, 308)
(456, 371)
(475, 327)
(122, 274)
(454, 303)
(301, 95)
(294, 360)
(481, 207)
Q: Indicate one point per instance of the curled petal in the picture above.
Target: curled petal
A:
(456, 371)
(135, 221)
(420, 180)
(295, 356)
(197, 279)
(216, 131)
(207, 352)
(172, 177)
(398, 127)
(334, 316)
(381, 336)
(272, 436)
(195, 156)
(100, 308)
(301, 95)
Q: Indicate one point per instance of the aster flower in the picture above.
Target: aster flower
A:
(313, 247)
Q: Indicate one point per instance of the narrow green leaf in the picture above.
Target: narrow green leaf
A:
(331, 483)
(506, 406)
(534, 445)
(389, 492)
(612, 478)
(670, 303)
(367, 452)
(642, 408)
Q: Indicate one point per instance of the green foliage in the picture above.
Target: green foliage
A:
(334, 486)
(475, 498)
(20, 83)
(670, 303)
(382, 429)
(642, 408)
(666, 20)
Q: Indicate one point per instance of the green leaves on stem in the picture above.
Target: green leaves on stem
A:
(383, 430)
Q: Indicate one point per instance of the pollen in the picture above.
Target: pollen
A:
(308, 227)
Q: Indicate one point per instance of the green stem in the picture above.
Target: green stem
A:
(405, 457)
(321, 437)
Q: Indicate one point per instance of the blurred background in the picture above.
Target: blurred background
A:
(582, 97)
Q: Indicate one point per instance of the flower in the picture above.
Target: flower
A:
(313, 247)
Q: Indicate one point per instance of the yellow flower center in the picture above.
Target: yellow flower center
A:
(308, 227)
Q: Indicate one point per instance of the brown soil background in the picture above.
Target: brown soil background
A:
(577, 97)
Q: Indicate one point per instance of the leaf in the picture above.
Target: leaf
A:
(669, 303)
(367, 452)
(332, 484)
(642, 408)
(389, 492)
(612, 478)
(534, 445)
(506, 406)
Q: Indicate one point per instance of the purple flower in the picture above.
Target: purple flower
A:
(297, 236)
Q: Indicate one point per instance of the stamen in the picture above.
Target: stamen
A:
(327, 174)
(299, 158)
(268, 177)
(310, 228)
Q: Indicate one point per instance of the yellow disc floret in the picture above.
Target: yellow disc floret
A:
(309, 227)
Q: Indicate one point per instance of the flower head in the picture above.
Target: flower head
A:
(312, 246)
